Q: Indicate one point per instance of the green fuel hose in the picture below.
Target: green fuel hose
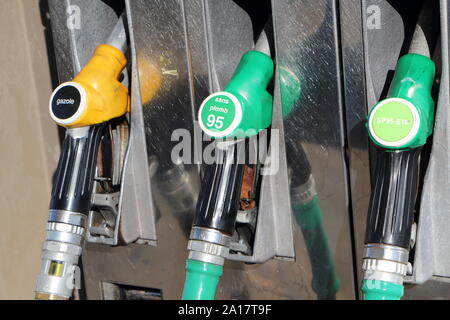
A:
(201, 280)
(325, 280)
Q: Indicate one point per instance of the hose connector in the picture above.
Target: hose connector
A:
(60, 273)
(208, 249)
(384, 267)
(208, 245)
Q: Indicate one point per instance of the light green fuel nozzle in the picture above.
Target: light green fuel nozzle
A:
(405, 119)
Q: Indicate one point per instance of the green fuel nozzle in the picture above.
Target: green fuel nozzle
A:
(244, 108)
(404, 120)
(399, 125)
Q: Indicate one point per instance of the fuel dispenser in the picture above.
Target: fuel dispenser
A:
(399, 125)
(242, 110)
(299, 78)
(84, 106)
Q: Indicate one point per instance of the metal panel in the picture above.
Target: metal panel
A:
(382, 47)
(308, 48)
(432, 256)
(161, 29)
(158, 29)
(352, 23)
(74, 46)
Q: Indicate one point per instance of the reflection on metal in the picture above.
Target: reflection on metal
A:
(125, 152)
(351, 26)
(165, 64)
(160, 57)
(330, 67)
(74, 46)
(169, 40)
(308, 63)
(431, 260)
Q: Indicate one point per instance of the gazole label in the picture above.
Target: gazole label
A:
(394, 122)
(220, 114)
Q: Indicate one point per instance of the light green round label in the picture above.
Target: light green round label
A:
(392, 121)
(218, 113)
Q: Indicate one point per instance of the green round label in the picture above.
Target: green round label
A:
(218, 113)
(392, 121)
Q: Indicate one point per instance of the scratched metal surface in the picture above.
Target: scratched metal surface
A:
(189, 71)
(307, 46)
(74, 46)
(352, 20)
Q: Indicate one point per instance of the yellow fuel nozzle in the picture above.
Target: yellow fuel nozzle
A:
(95, 95)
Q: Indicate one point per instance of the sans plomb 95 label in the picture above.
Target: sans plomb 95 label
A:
(220, 114)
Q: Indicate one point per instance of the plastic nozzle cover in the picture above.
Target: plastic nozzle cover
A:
(391, 209)
(404, 120)
(201, 280)
(244, 108)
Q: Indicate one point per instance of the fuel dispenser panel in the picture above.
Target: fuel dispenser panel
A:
(247, 149)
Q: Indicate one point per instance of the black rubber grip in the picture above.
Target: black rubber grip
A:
(391, 209)
(218, 202)
(74, 177)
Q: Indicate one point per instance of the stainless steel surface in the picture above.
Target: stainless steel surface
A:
(386, 252)
(160, 30)
(353, 19)
(159, 53)
(207, 252)
(118, 37)
(191, 48)
(209, 235)
(385, 263)
(102, 223)
(432, 258)
(67, 217)
(63, 246)
(384, 270)
(382, 45)
(138, 225)
(307, 46)
(74, 46)
(262, 44)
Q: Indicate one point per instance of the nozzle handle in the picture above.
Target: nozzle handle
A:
(391, 209)
(218, 202)
(74, 178)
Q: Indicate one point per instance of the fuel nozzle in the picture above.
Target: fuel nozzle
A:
(84, 106)
(399, 126)
(242, 110)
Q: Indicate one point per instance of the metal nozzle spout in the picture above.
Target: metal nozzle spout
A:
(118, 36)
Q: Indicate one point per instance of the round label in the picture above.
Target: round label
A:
(220, 114)
(394, 122)
(65, 102)
(68, 103)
